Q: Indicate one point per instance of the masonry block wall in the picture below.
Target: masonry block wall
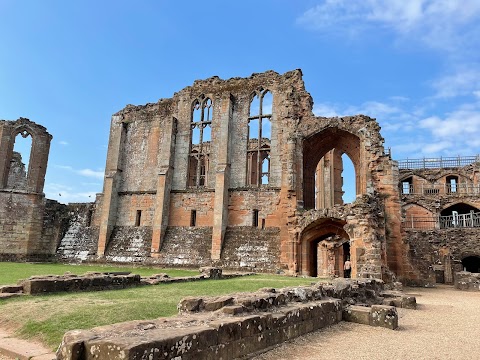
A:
(224, 171)
(440, 208)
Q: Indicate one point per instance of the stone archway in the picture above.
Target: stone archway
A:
(324, 246)
(330, 143)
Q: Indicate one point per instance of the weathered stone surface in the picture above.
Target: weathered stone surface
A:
(89, 282)
(384, 316)
(467, 281)
(357, 314)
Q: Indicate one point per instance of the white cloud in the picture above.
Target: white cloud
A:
(325, 110)
(462, 82)
(91, 173)
(62, 142)
(412, 133)
(460, 124)
(440, 24)
(83, 172)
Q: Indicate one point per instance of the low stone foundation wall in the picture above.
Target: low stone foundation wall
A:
(97, 281)
(36, 285)
(467, 281)
(230, 327)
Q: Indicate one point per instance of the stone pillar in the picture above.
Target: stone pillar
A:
(337, 169)
(112, 174)
(222, 177)
(5, 153)
(164, 183)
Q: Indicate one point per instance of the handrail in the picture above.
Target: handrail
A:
(469, 220)
(438, 163)
(444, 189)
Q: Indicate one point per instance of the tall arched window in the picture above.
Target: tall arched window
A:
(200, 139)
(259, 137)
(19, 164)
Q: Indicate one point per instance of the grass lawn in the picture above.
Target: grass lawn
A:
(48, 317)
(11, 272)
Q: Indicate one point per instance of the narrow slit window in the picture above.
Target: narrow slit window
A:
(259, 139)
(255, 218)
(200, 140)
(138, 218)
(89, 218)
(193, 218)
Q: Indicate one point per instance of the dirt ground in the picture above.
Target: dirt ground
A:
(446, 325)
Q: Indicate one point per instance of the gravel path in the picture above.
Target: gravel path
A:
(445, 326)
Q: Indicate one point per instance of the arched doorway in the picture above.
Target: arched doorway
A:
(325, 248)
(471, 264)
(460, 215)
(323, 163)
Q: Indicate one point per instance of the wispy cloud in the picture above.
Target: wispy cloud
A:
(465, 81)
(62, 142)
(84, 172)
(440, 24)
(410, 132)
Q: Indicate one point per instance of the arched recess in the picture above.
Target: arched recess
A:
(325, 246)
(459, 208)
(471, 263)
(460, 215)
(329, 143)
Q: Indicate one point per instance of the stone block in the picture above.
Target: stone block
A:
(384, 316)
(217, 303)
(190, 304)
(357, 314)
(228, 329)
(232, 309)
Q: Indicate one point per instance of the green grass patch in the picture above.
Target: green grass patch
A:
(11, 272)
(47, 318)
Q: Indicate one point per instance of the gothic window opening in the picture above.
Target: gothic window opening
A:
(259, 139)
(200, 140)
(20, 161)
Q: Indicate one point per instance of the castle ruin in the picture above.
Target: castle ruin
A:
(241, 174)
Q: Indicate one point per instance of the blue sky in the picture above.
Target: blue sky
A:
(69, 65)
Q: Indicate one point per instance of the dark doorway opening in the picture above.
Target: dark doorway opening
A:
(471, 264)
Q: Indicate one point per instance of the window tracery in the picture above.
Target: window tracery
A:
(200, 141)
(259, 139)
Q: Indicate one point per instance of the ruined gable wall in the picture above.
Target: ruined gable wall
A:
(23, 229)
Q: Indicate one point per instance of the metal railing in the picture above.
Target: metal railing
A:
(443, 189)
(438, 163)
(470, 220)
